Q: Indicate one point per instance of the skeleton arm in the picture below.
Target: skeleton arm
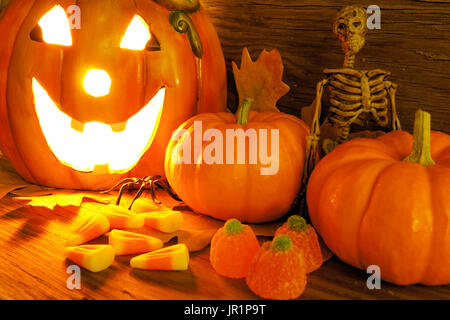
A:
(312, 140)
(392, 90)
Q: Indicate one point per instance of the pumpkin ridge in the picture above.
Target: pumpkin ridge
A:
(291, 161)
(333, 161)
(443, 150)
(250, 185)
(198, 168)
(289, 137)
(435, 172)
(438, 237)
(445, 154)
(394, 140)
(379, 148)
(175, 171)
(435, 210)
(395, 269)
(320, 218)
(18, 153)
(364, 214)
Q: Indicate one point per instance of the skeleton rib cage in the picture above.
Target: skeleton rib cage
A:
(354, 93)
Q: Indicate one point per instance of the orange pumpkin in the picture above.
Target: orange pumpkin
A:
(226, 185)
(375, 205)
(84, 108)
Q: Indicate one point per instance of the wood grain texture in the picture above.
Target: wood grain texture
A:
(413, 43)
(32, 266)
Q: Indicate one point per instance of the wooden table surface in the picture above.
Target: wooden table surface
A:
(32, 266)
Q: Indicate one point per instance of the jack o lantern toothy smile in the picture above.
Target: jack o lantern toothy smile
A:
(96, 146)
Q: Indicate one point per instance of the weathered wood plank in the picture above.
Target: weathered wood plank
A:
(413, 43)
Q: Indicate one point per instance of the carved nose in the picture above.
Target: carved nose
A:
(97, 83)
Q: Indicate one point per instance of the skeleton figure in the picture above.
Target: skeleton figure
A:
(355, 95)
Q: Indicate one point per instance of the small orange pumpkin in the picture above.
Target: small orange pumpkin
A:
(386, 202)
(227, 189)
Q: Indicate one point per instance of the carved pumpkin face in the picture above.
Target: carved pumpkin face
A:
(83, 108)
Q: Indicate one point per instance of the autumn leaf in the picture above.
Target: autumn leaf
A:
(63, 198)
(261, 80)
(32, 191)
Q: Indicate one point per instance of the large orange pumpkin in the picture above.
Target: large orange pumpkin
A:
(232, 185)
(84, 108)
(375, 205)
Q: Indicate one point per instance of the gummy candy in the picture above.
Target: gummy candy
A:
(277, 270)
(305, 240)
(232, 249)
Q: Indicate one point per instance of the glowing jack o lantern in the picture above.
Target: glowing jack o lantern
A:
(84, 108)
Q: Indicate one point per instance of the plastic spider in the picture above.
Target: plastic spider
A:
(141, 184)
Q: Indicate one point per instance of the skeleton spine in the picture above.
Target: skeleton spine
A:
(349, 61)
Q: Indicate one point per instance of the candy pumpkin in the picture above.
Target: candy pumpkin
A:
(226, 179)
(277, 271)
(386, 202)
(305, 241)
(84, 108)
(232, 249)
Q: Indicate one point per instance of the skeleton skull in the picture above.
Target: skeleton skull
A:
(350, 27)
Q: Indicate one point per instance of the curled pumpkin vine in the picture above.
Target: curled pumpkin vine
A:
(141, 184)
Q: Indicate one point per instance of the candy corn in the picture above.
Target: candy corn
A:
(125, 242)
(94, 258)
(89, 227)
(121, 218)
(164, 221)
(171, 258)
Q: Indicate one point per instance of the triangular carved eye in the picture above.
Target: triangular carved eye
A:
(137, 35)
(53, 28)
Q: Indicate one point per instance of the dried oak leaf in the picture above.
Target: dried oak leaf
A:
(63, 198)
(261, 80)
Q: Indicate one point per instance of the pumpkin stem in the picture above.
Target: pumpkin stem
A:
(296, 223)
(233, 226)
(244, 112)
(421, 152)
(281, 242)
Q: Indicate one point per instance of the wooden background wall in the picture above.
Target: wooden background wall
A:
(413, 43)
